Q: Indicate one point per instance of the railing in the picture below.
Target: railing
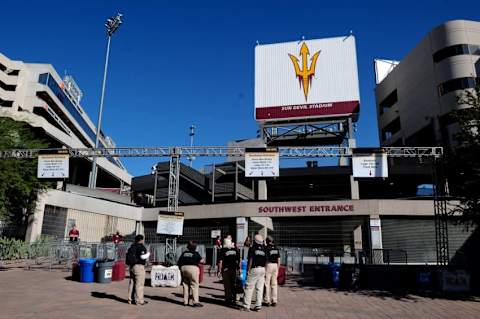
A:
(388, 256)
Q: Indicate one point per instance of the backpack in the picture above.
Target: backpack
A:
(131, 258)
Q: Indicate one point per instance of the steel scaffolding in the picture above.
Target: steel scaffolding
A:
(220, 151)
(175, 153)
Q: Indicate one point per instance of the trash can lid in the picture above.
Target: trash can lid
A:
(87, 260)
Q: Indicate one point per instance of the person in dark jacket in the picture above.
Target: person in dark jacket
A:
(188, 264)
(257, 259)
(228, 267)
(273, 265)
(137, 256)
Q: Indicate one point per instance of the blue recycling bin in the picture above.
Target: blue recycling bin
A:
(243, 272)
(335, 273)
(87, 267)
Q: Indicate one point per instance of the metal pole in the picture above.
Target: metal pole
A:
(93, 179)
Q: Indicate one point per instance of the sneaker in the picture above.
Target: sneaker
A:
(143, 303)
(274, 304)
(130, 302)
(257, 308)
(245, 309)
(266, 304)
(197, 305)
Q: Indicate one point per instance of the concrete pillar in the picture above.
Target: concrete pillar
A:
(376, 232)
(262, 190)
(242, 230)
(140, 230)
(354, 190)
(35, 221)
(376, 256)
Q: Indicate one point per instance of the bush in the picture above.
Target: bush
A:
(11, 249)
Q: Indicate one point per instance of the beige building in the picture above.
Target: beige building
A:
(415, 99)
(35, 94)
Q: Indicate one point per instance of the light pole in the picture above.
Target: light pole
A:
(192, 134)
(112, 25)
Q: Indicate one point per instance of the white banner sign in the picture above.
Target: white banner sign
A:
(262, 164)
(170, 223)
(52, 166)
(375, 165)
(215, 233)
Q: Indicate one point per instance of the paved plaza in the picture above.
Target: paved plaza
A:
(50, 294)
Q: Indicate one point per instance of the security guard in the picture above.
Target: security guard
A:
(273, 265)
(228, 267)
(136, 258)
(257, 259)
(188, 264)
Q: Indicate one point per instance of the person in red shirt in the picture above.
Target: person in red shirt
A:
(117, 238)
(74, 234)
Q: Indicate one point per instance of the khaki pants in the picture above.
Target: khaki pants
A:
(229, 277)
(271, 284)
(137, 281)
(255, 280)
(190, 278)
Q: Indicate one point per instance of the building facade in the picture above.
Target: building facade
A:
(415, 100)
(36, 95)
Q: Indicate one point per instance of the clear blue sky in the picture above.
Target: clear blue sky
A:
(174, 63)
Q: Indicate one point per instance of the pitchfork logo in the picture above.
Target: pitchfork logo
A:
(305, 74)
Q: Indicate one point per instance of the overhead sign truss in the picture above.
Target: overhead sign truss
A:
(220, 151)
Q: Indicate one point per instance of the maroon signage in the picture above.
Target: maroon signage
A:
(309, 110)
(306, 209)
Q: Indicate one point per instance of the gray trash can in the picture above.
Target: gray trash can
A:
(104, 271)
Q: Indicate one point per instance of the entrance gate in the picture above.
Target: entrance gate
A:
(435, 154)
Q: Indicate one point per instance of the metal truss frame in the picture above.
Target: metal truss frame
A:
(220, 151)
(175, 153)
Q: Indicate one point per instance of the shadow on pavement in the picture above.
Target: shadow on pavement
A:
(296, 283)
(103, 295)
(211, 288)
(204, 299)
(165, 299)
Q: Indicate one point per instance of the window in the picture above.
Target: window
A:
(389, 130)
(388, 102)
(8, 71)
(457, 84)
(474, 49)
(447, 52)
(7, 87)
(5, 103)
(48, 80)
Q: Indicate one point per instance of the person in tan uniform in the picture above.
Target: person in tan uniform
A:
(188, 264)
(136, 258)
(271, 273)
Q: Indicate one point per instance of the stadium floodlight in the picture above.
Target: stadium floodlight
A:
(112, 24)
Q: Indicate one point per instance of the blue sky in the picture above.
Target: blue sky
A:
(174, 63)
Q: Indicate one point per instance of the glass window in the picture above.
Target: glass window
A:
(447, 52)
(456, 84)
(48, 80)
(5, 103)
(474, 49)
(7, 87)
(388, 102)
(391, 129)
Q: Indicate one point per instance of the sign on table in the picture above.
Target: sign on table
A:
(262, 163)
(170, 223)
(52, 166)
(216, 233)
(374, 165)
